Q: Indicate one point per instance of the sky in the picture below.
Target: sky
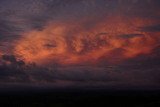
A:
(80, 43)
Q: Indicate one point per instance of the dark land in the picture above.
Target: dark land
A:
(79, 98)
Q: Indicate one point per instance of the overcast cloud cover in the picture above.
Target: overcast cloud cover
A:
(21, 17)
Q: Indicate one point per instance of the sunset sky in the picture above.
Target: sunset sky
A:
(80, 43)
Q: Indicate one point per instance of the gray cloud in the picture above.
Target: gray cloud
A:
(19, 16)
(138, 72)
(130, 35)
(152, 28)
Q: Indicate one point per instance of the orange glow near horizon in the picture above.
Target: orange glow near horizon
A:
(75, 42)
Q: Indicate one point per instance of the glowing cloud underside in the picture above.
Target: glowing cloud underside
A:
(113, 39)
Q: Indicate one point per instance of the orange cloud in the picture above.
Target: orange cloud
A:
(1, 57)
(113, 39)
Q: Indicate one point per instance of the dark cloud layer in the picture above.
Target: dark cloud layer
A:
(19, 16)
(137, 73)
(152, 28)
(130, 35)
